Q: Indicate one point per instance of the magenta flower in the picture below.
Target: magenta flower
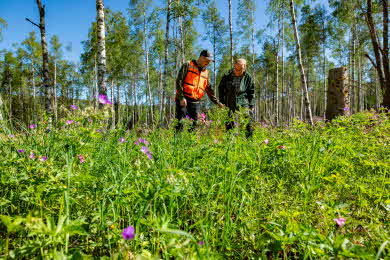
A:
(203, 117)
(74, 107)
(32, 155)
(43, 158)
(128, 233)
(104, 100)
(69, 122)
(346, 109)
(340, 221)
(81, 158)
(11, 136)
(20, 151)
(201, 243)
(99, 130)
(266, 141)
(90, 120)
(32, 126)
(122, 140)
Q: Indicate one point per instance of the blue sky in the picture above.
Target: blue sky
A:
(70, 19)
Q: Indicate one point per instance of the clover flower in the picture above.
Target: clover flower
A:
(32, 155)
(43, 158)
(32, 126)
(122, 140)
(74, 107)
(69, 122)
(128, 233)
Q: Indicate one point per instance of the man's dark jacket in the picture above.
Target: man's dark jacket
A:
(234, 98)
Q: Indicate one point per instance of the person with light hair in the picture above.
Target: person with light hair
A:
(236, 91)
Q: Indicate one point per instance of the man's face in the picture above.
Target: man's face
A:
(239, 69)
(203, 61)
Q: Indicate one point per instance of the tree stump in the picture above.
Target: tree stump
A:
(338, 93)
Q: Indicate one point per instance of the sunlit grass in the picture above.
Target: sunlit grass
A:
(202, 194)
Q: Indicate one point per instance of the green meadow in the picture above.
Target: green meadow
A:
(297, 192)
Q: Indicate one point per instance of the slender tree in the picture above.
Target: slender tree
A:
(301, 69)
(101, 50)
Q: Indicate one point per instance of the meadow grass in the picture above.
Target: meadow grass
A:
(203, 194)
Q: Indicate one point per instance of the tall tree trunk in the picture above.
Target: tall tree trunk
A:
(101, 59)
(165, 80)
(231, 31)
(55, 91)
(147, 72)
(282, 47)
(376, 47)
(45, 60)
(302, 71)
(277, 77)
(385, 54)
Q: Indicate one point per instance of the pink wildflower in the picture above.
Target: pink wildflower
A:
(340, 221)
(81, 158)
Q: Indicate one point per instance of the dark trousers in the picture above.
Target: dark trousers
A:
(249, 126)
(191, 111)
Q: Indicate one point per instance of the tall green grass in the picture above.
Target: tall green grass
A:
(205, 194)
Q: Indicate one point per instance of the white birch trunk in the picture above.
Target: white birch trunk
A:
(302, 71)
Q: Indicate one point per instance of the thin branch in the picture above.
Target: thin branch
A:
(372, 61)
(33, 23)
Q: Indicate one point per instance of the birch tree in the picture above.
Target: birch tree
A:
(301, 69)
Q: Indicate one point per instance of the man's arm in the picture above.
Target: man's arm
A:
(221, 90)
(211, 94)
(251, 93)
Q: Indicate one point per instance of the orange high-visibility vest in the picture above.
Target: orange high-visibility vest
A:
(195, 82)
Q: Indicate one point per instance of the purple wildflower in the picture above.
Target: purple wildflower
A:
(90, 120)
(11, 136)
(104, 100)
(346, 108)
(146, 151)
(266, 141)
(235, 123)
(122, 140)
(20, 151)
(340, 221)
(201, 243)
(74, 107)
(32, 126)
(99, 130)
(32, 155)
(141, 141)
(128, 233)
(215, 141)
(69, 122)
(188, 117)
(81, 158)
(43, 158)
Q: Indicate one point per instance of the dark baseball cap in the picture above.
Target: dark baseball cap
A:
(207, 54)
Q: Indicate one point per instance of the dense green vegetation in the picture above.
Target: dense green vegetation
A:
(204, 194)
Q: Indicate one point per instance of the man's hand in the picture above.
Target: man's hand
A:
(183, 102)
